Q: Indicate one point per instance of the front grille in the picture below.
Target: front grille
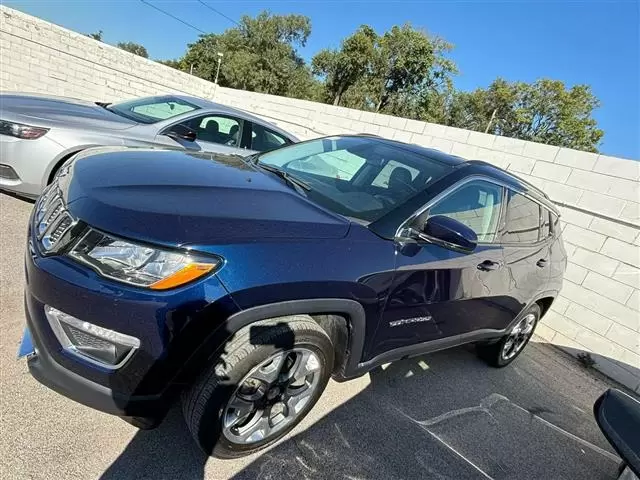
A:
(52, 220)
(83, 339)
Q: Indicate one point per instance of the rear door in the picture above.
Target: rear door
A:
(525, 239)
(263, 139)
(440, 293)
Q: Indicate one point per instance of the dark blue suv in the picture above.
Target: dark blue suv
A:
(242, 284)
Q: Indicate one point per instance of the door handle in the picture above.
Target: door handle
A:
(488, 265)
(541, 263)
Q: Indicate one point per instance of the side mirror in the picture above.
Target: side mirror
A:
(451, 233)
(181, 132)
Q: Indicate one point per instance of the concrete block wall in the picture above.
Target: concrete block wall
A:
(599, 196)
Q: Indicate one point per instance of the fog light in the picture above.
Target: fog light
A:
(7, 172)
(107, 348)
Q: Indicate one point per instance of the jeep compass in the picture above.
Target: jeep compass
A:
(239, 286)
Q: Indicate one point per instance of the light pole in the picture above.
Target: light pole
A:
(220, 55)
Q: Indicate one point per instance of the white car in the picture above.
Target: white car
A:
(38, 134)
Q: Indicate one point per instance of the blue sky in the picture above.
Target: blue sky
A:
(592, 42)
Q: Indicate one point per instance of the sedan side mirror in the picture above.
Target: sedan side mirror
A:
(450, 233)
(181, 132)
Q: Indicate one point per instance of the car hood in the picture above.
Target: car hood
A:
(179, 198)
(60, 112)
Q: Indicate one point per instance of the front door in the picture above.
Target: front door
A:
(440, 293)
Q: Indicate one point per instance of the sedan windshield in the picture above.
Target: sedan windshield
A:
(360, 177)
(152, 109)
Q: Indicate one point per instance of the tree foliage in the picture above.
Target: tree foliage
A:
(404, 72)
(96, 35)
(135, 48)
(259, 55)
(544, 111)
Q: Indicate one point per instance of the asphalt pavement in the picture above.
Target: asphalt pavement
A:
(440, 416)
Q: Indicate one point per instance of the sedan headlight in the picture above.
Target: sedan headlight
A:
(139, 265)
(20, 130)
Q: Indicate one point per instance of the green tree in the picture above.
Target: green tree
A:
(135, 48)
(96, 35)
(259, 55)
(545, 111)
(342, 68)
(408, 66)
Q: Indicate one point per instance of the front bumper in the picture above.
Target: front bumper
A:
(170, 325)
(50, 373)
(29, 160)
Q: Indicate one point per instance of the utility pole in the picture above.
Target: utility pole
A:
(493, 115)
(220, 55)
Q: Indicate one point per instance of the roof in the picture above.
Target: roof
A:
(437, 155)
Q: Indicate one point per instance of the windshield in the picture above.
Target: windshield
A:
(152, 109)
(360, 177)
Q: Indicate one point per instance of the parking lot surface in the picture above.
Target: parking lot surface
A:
(445, 415)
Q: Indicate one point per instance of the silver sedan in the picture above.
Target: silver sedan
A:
(38, 134)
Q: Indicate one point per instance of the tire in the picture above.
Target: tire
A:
(206, 404)
(494, 354)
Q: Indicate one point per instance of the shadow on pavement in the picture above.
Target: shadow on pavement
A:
(446, 415)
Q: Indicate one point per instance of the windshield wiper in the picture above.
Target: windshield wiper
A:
(287, 177)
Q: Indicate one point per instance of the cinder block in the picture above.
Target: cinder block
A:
(576, 159)
(386, 132)
(625, 252)
(570, 346)
(628, 275)
(442, 144)
(402, 135)
(434, 130)
(381, 120)
(508, 145)
(627, 189)
(562, 193)
(593, 261)
(634, 301)
(588, 318)
(465, 151)
(618, 167)
(624, 336)
(422, 140)
(611, 228)
(597, 343)
(415, 126)
(631, 212)
(518, 163)
(596, 182)
(608, 287)
(551, 171)
(575, 217)
(560, 305)
(603, 306)
(398, 123)
(493, 157)
(540, 151)
(584, 238)
(603, 204)
(545, 333)
(456, 134)
(575, 273)
(562, 324)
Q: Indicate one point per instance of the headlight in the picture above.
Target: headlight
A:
(139, 265)
(20, 130)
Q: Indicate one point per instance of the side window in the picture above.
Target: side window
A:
(390, 174)
(263, 139)
(217, 129)
(546, 223)
(476, 205)
(523, 220)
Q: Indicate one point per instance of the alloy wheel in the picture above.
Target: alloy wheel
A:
(518, 337)
(271, 396)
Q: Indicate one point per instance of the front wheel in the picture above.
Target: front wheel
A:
(265, 382)
(505, 351)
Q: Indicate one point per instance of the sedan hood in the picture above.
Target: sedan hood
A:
(60, 112)
(178, 198)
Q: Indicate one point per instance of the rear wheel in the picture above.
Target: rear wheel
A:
(505, 351)
(269, 377)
